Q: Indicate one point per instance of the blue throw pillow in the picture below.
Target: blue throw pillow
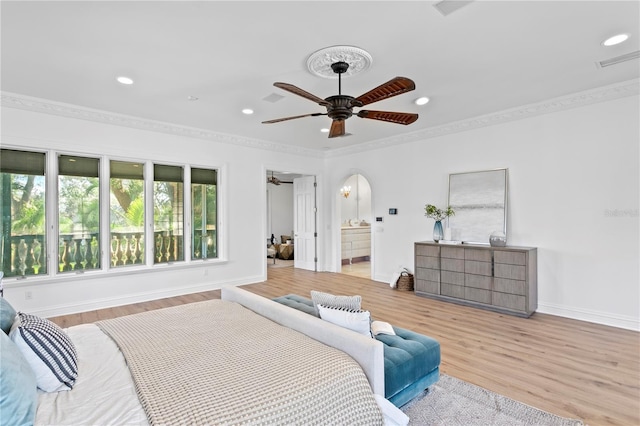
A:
(7, 314)
(18, 394)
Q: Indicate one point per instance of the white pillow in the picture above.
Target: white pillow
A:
(48, 350)
(333, 301)
(381, 327)
(358, 321)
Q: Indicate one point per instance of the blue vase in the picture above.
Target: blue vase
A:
(438, 233)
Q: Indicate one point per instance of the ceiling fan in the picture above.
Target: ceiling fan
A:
(273, 180)
(340, 107)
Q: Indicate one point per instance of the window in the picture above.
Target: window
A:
(83, 211)
(204, 213)
(78, 213)
(23, 227)
(127, 213)
(168, 213)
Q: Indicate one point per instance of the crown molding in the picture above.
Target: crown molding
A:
(18, 101)
(575, 100)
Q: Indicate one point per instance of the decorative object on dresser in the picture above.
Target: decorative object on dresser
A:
(501, 279)
(438, 215)
(480, 202)
(498, 239)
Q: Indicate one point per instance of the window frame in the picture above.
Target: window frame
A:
(56, 261)
(52, 231)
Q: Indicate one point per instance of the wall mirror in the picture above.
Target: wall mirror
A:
(479, 200)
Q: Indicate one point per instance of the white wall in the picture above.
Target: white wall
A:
(242, 192)
(281, 198)
(573, 193)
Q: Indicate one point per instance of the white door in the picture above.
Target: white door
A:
(304, 223)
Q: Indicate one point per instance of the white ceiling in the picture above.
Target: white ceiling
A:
(486, 57)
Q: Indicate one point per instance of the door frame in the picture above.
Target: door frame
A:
(321, 236)
(337, 214)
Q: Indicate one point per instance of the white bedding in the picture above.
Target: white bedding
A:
(90, 402)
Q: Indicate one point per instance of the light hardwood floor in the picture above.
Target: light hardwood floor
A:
(567, 367)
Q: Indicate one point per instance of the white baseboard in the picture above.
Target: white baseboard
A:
(598, 317)
(110, 302)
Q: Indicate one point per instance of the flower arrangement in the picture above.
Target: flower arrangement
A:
(437, 214)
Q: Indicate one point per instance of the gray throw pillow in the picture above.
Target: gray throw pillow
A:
(333, 301)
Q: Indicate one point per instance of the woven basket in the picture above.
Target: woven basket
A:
(405, 282)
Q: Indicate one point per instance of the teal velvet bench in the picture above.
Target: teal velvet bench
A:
(411, 360)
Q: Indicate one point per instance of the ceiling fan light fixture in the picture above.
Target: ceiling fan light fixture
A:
(422, 100)
(616, 39)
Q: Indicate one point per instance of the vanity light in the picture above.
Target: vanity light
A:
(247, 111)
(345, 191)
(124, 80)
(422, 101)
(616, 39)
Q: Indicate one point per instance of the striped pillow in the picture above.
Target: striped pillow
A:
(332, 301)
(49, 351)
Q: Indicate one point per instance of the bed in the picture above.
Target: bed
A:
(240, 360)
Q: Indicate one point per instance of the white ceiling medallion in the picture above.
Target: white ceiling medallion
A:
(319, 62)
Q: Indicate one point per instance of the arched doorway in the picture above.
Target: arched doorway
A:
(355, 226)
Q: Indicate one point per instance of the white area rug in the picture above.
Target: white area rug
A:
(453, 402)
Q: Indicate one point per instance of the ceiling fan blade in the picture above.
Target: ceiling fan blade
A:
(393, 87)
(298, 91)
(389, 116)
(337, 128)
(277, 120)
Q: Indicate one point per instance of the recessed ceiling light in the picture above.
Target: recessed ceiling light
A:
(192, 98)
(616, 39)
(124, 80)
(422, 101)
(324, 130)
(247, 111)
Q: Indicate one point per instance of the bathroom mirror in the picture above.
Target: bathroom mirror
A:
(479, 200)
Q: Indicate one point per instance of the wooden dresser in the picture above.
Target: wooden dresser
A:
(502, 279)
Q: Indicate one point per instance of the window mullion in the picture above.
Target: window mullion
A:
(149, 251)
(51, 213)
(105, 212)
(187, 223)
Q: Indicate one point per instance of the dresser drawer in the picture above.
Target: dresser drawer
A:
(422, 250)
(427, 262)
(509, 257)
(428, 274)
(425, 286)
(509, 301)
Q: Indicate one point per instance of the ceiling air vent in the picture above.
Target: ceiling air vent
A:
(619, 59)
(274, 97)
(447, 7)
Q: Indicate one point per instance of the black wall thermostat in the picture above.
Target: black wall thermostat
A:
(393, 211)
